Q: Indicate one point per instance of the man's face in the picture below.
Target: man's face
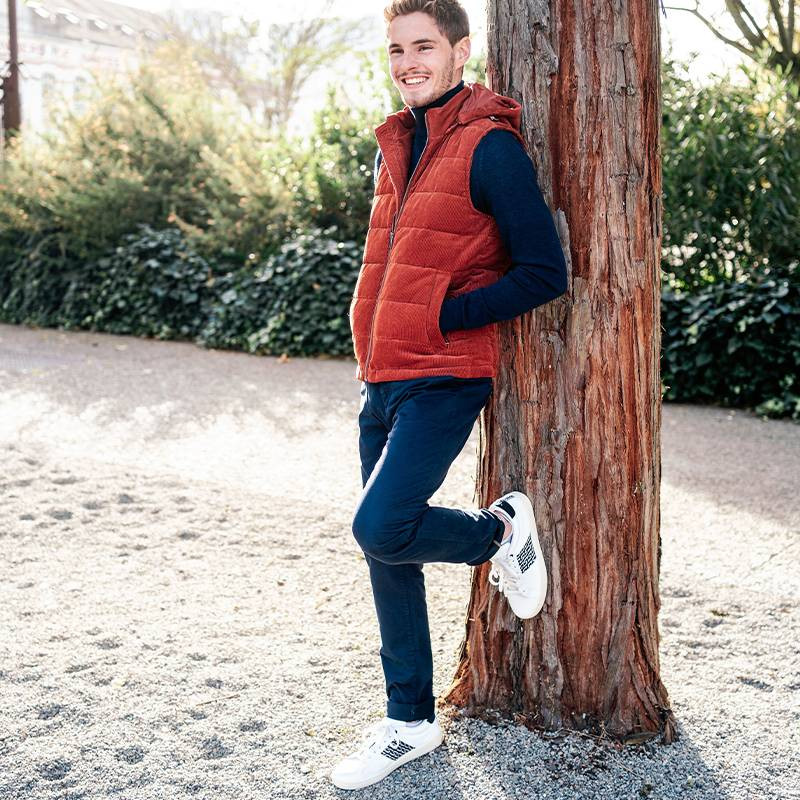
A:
(417, 50)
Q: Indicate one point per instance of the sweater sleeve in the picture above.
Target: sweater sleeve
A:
(503, 183)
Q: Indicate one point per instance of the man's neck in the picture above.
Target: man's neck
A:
(419, 111)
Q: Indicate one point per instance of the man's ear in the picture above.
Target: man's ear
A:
(462, 49)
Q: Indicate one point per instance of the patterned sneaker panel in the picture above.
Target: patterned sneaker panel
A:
(526, 557)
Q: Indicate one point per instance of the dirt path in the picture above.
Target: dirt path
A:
(184, 612)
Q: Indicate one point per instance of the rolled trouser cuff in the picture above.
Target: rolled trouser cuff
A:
(411, 712)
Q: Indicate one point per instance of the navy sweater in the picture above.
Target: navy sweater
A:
(503, 184)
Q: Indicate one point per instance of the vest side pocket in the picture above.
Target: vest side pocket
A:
(362, 306)
(437, 339)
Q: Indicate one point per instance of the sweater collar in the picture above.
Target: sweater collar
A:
(420, 111)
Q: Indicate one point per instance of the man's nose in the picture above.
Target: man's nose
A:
(408, 63)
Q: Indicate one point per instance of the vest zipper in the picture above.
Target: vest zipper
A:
(388, 251)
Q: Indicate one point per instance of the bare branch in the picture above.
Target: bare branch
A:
(754, 36)
(267, 70)
(786, 44)
(772, 47)
(732, 42)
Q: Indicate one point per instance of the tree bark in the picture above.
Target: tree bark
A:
(575, 419)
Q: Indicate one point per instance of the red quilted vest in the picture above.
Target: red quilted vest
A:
(427, 242)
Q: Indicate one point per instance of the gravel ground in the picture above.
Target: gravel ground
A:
(186, 614)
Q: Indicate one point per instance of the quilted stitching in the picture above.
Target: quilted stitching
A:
(442, 246)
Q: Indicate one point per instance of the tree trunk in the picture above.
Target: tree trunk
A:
(576, 415)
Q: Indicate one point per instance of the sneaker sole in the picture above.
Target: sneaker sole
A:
(415, 753)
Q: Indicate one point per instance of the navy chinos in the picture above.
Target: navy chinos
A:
(410, 432)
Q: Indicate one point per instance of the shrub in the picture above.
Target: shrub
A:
(151, 285)
(34, 276)
(338, 183)
(154, 284)
(736, 343)
(296, 303)
(334, 182)
(153, 148)
(731, 176)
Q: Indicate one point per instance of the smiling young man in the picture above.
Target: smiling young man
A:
(459, 239)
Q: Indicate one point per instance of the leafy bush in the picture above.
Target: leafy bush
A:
(337, 187)
(34, 276)
(731, 176)
(296, 303)
(153, 148)
(151, 285)
(154, 284)
(736, 343)
(333, 183)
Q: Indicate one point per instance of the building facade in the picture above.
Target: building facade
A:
(64, 43)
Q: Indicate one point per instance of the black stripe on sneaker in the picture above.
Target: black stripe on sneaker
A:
(394, 752)
(506, 506)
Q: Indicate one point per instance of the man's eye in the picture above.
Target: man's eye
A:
(425, 47)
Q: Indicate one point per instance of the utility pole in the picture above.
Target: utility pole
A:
(12, 117)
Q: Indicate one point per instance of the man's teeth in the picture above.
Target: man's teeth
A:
(414, 81)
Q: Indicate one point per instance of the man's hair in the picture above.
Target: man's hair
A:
(450, 18)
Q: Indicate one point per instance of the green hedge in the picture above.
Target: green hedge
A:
(154, 284)
(735, 344)
(295, 303)
(151, 285)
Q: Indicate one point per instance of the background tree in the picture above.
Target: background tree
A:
(775, 42)
(266, 67)
(576, 416)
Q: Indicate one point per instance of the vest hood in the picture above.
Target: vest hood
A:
(474, 101)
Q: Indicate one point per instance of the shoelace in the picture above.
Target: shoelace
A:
(505, 579)
(377, 736)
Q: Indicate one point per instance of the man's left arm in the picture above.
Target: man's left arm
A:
(503, 183)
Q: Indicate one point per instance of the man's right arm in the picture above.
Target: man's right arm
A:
(503, 183)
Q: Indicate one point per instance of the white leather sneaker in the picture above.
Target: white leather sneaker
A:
(385, 745)
(518, 568)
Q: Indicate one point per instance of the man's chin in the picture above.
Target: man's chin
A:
(418, 100)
